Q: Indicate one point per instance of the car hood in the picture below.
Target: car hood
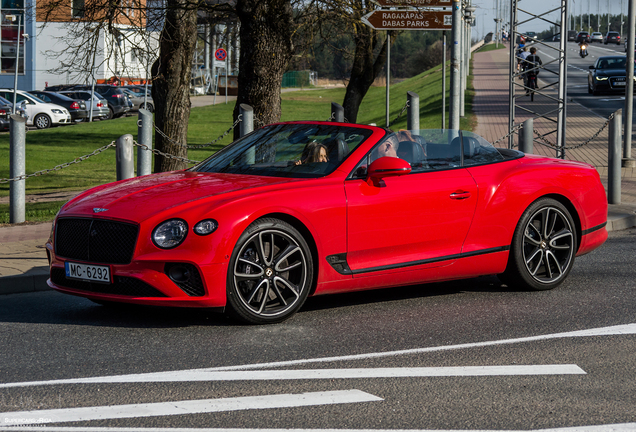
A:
(611, 72)
(142, 197)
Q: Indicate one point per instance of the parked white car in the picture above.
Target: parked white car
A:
(41, 114)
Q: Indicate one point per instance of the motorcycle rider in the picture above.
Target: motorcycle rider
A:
(583, 48)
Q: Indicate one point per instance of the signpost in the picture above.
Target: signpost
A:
(405, 15)
(221, 55)
(409, 20)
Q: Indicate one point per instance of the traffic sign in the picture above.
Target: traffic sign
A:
(414, 3)
(409, 20)
(220, 54)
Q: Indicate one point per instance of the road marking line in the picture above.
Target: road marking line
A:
(622, 427)
(185, 407)
(627, 329)
(301, 374)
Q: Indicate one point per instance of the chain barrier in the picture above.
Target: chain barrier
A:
(59, 167)
(166, 155)
(514, 130)
(574, 147)
(547, 143)
(198, 146)
(406, 105)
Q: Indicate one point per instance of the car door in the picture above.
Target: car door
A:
(419, 219)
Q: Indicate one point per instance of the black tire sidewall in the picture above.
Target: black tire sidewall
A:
(235, 306)
(516, 271)
(36, 123)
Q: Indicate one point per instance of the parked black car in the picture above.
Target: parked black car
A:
(117, 101)
(582, 36)
(613, 37)
(77, 108)
(6, 108)
(607, 74)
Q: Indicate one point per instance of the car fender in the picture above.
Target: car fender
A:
(505, 194)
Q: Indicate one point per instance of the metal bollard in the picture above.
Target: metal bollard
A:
(337, 112)
(526, 143)
(247, 119)
(614, 160)
(17, 168)
(144, 137)
(413, 120)
(125, 159)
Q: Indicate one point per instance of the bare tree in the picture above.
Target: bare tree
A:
(369, 56)
(172, 73)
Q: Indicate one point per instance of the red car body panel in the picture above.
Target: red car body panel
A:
(409, 229)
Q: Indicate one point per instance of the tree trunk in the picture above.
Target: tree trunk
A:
(364, 69)
(171, 75)
(266, 48)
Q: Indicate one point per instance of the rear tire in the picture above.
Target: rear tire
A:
(270, 273)
(543, 247)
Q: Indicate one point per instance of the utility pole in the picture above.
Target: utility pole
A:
(629, 89)
(455, 65)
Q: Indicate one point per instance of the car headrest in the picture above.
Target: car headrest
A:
(411, 152)
(471, 147)
(338, 150)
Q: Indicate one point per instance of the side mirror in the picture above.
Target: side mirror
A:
(387, 167)
(591, 66)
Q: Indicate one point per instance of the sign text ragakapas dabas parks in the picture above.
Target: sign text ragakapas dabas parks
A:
(409, 19)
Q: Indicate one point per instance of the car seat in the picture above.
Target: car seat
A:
(411, 152)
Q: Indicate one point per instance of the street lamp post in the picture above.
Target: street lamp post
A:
(17, 60)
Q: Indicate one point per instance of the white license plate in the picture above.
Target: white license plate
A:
(87, 272)
(619, 83)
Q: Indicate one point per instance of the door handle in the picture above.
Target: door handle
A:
(460, 195)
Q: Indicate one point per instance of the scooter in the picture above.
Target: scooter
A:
(583, 50)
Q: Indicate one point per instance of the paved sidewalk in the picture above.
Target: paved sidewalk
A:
(23, 260)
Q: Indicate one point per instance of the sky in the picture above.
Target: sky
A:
(486, 12)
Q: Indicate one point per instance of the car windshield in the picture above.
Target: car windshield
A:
(287, 150)
(612, 63)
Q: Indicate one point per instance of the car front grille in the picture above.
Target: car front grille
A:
(124, 286)
(95, 240)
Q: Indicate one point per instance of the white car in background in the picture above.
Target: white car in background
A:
(596, 37)
(41, 114)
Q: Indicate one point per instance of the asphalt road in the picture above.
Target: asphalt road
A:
(578, 71)
(469, 355)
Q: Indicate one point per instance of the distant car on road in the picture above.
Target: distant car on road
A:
(582, 36)
(41, 114)
(607, 74)
(596, 37)
(613, 37)
(556, 38)
(531, 35)
(77, 108)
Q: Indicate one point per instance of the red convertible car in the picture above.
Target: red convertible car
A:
(308, 208)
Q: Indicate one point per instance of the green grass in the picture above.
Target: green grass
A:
(491, 47)
(48, 148)
(35, 212)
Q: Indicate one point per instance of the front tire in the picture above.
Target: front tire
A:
(270, 273)
(42, 121)
(543, 247)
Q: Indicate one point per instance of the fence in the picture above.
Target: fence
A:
(125, 144)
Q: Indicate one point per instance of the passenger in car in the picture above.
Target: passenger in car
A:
(313, 152)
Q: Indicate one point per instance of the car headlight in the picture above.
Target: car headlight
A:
(205, 227)
(170, 234)
(601, 78)
(57, 111)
